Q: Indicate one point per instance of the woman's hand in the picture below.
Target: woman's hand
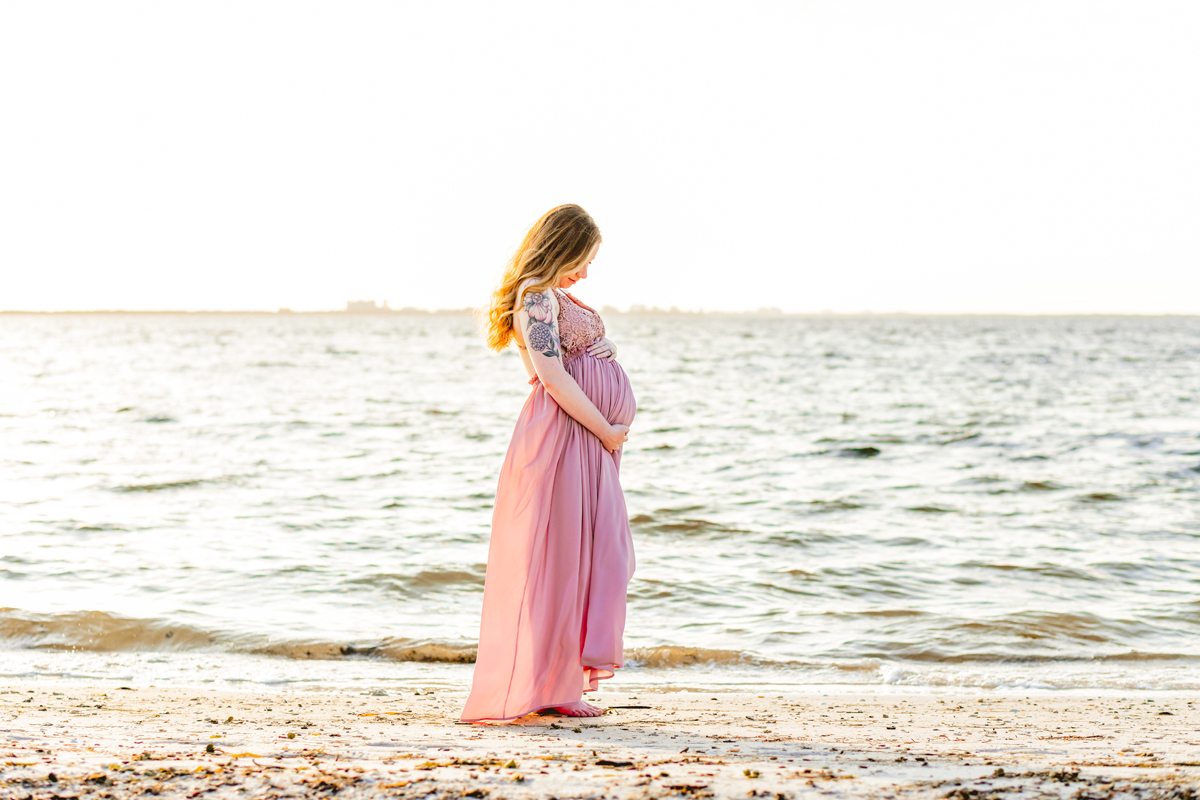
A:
(614, 437)
(603, 348)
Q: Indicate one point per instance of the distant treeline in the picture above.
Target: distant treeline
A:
(633, 311)
(637, 310)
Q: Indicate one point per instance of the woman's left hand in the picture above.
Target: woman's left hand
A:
(603, 348)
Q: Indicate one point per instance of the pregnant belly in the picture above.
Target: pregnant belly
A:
(606, 385)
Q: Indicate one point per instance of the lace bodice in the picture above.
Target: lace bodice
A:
(578, 326)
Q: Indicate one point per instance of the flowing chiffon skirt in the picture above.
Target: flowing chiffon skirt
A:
(560, 557)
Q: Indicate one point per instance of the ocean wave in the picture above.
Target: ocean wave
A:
(85, 636)
(666, 521)
(386, 650)
(669, 656)
(104, 632)
(157, 487)
(180, 484)
(424, 581)
(97, 631)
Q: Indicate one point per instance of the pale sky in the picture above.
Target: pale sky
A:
(1025, 157)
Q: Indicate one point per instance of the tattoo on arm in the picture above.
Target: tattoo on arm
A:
(541, 335)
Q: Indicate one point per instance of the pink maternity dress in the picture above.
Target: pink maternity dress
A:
(561, 554)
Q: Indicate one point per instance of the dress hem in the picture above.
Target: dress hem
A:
(611, 669)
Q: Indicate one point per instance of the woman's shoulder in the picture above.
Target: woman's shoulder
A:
(549, 294)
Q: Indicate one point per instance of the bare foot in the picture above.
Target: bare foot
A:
(580, 709)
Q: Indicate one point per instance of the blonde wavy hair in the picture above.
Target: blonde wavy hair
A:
(556, 245)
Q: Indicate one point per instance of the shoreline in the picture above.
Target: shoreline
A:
(698, 741)
(300, 664)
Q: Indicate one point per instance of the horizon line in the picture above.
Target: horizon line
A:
(634, 311)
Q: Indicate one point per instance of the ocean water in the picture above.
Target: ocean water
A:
(896, 501)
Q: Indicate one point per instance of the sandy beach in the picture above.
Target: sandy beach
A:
(62, 739)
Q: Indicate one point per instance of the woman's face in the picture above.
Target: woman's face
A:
(575, 277)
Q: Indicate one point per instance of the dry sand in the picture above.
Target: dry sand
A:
(65, 739)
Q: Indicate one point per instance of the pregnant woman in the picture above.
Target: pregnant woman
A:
(561, 554)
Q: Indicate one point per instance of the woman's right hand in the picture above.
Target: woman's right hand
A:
(614, 437)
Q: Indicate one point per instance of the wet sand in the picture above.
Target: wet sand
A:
(61, 739)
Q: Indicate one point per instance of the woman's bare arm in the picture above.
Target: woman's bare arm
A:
(519, 340)
(537, 316)
(526, 361)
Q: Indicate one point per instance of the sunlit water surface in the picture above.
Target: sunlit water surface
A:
(950, 501)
